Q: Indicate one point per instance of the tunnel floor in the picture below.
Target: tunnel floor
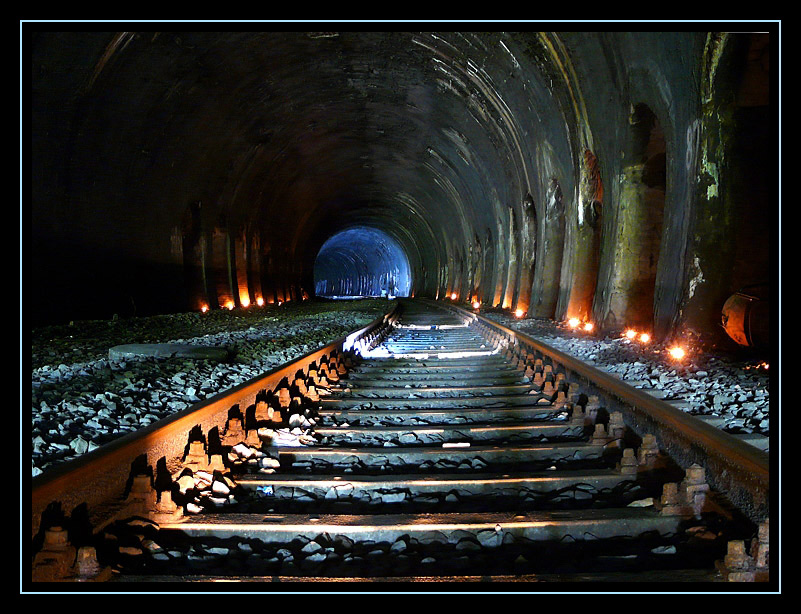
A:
(81, 398)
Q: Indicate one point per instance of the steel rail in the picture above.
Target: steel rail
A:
(92, 478)
(733, 467)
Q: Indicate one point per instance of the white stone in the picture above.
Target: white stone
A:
(220, 488)
(312, 547)
(185, 483)
(242, 450)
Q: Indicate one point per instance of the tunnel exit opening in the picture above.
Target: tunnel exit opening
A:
(361, 262)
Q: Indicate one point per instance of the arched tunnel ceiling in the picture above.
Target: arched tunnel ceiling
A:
(172, 169)
(302, 134)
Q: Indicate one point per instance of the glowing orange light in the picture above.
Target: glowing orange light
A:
(476, 304)
(645, 338)
(260, 302)
(204, 308)
(229, 305)
(245, 302)
(589, 326)
(677, 353)
(573, 322)
(518, 313)
(453, 296)
(630, 334)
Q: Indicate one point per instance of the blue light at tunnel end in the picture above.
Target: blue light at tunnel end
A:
(362, 261)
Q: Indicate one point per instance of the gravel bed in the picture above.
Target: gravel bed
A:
(81, 399)
(730, 392)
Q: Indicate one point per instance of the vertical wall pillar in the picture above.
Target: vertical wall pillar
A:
(241, 265)
(511, 266)
(222, 265)
(488, 272)
(193, 248)
(254, 268)
(528, 254)
(499, 264)
(580, 269)
(476, 269)
(549, 250)
(268, 275)
(632, 248)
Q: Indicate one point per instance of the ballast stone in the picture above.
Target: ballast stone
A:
(168, 350)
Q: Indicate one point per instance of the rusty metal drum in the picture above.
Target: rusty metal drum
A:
(746, 317)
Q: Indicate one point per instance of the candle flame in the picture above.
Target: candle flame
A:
(260, 302)
(630, 333)
(645, 338)
(453, 296)
(519, 313)
(589, 326)
(476, 304)
(677, 353)
(573, 322)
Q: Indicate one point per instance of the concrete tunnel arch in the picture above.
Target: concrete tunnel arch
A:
(361, 261)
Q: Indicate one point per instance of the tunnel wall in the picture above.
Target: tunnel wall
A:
(175, 170)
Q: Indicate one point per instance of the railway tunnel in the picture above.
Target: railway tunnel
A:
(618, 177)
(505, 187)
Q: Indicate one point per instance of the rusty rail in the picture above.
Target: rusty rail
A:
(97, 477)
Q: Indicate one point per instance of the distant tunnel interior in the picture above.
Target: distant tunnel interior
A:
(361, 262)
(619, 177)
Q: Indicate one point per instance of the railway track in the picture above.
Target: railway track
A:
(431, 445)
